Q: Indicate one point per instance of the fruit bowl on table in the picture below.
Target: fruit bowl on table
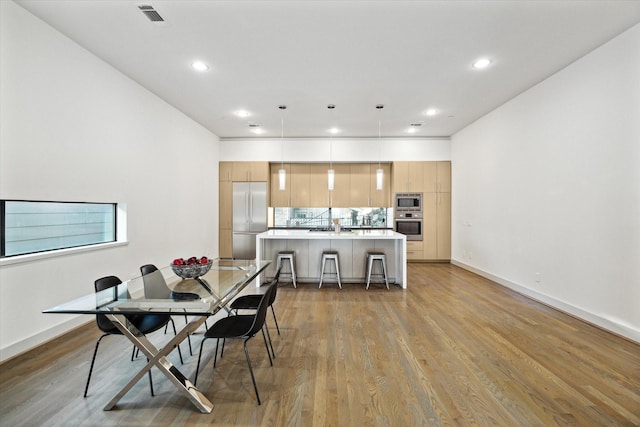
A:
(191, 271)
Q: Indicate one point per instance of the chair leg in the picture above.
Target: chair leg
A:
(255, 387)
(267, 346)
(275, 320)
(186, 320)
(175, 333)
(133, 353)
(215, 356)
(150, 380)
(93, 359)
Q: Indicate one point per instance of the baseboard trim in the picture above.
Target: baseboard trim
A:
(20, 347)
(610, 326)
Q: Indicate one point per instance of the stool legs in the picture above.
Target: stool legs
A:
(287, 257)
(370, 261)
(324, 262)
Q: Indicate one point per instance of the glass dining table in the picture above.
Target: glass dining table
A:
(164, 292)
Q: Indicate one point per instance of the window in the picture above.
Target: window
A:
(35, 226)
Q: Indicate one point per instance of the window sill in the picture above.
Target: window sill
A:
(18, 259)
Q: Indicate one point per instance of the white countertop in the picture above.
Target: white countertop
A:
(323, 235)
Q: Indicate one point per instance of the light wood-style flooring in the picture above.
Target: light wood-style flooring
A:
(453, 349)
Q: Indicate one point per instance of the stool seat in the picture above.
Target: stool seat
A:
(290, 258)
(330, 256)
(381, 258)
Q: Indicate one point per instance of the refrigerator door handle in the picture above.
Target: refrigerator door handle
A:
(246, 208)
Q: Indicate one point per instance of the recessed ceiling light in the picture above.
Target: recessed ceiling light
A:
(199, 66)
(334, 130)
(242, 113)
(481, 63)
(432, 112)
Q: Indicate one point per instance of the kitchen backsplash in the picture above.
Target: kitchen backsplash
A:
(323, 217)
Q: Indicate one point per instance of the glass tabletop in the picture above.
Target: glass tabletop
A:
(164, 292)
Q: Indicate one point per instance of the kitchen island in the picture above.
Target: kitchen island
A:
(352, 247)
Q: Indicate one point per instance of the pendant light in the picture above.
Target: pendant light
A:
(330, 172)
(379, 171)
(282, 173)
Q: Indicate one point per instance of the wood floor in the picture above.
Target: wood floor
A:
(452, 349)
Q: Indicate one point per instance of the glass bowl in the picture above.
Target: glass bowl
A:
(191, 271)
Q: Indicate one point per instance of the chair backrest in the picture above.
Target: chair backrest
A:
(155, 287)
(274, 283)
(101, 284)
(261, 312)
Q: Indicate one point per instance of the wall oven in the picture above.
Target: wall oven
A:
(409, 224)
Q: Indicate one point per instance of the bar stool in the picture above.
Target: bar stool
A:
(376, 256)
(330, 256)
(289, 256)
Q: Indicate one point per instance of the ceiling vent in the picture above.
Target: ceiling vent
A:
(151, 13)
(416, 124)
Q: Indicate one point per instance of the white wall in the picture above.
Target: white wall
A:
(546, 189)
(75, 129)
(338, 150)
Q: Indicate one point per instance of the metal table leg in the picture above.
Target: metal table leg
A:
(157, 357)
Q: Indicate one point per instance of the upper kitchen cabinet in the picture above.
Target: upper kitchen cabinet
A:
(225, 171)
(437, 177)
(408, 177)
(359, 189)
(243, 171)
(300, 185)
(341, 194)
(380, 198)
(250, 171)
(319, 194)
(363, 186)
(280, 198)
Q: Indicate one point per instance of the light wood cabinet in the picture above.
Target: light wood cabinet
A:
(300, 185)
(225, 220)
(225, 247)
(280, 198)
(225, 211)
(307, 186)
(437, 177)
(433, 180)
(250, 171)
(359, 188)
(341, 194)
(408, 177)
(224, 171)
(380, 198)
(443, 215)
(437, 226)
(415, 250)
(319, 194)
(363, 186)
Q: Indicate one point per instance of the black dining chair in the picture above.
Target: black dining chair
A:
(251, 302)
(241, 326)
(145, 323)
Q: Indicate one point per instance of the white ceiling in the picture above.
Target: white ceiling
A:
(407, 55)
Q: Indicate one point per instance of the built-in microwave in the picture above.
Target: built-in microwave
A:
(408, 202)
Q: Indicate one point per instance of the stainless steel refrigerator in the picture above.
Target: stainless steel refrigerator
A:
(249, 217)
